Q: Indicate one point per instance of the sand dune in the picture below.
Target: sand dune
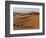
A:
(26, 21)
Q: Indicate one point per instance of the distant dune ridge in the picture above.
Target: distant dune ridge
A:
(29, 13)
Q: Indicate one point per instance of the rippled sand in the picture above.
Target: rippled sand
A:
(28, 21)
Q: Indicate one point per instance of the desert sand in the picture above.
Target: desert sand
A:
(26, 21)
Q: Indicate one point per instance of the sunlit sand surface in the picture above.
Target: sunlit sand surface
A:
(26, 21)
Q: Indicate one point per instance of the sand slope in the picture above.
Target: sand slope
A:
(28, 21)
